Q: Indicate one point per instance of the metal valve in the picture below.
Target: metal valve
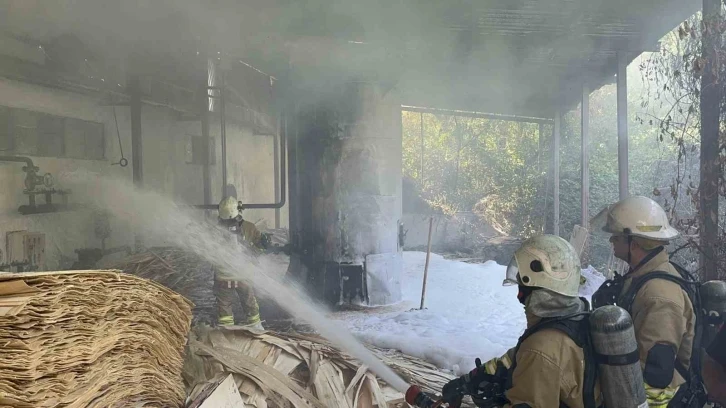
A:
(48, 180)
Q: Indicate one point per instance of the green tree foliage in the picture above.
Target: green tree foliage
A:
(499, 168)
(495, 166)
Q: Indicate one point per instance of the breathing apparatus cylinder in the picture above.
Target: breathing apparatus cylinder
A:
(616, 352)
(713, 307)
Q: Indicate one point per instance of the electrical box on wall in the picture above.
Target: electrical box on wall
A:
(26, 248)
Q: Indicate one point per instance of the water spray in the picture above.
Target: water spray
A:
(159, 217)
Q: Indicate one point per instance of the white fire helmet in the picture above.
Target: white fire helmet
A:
(636, 216)
(228, 208)
(548, 262)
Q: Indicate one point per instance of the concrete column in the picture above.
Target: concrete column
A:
(585, 158)
(556, 173)
(355, 175)
(622, 97)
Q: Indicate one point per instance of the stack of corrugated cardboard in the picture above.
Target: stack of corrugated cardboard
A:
(90, 339)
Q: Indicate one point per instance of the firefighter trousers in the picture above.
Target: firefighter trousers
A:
(227, 293)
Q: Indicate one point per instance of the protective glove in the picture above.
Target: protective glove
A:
(467, 384)
(455, 389)
(491, 394)
(265, 240)
(608, 292)
(486, 390)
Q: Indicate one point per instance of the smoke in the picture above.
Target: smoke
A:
(159, 218)
(486, 56)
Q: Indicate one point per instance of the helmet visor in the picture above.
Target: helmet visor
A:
(512, 276)
(603, 223)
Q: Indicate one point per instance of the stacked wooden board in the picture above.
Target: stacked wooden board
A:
(90, 339)
(181, 271)
(192, 277)
(281, 370)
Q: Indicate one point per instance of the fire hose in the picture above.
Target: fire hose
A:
(492, 397)
(416, 397)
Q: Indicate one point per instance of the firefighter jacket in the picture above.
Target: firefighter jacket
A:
(550, 370)
(664, 323)
(251, 237)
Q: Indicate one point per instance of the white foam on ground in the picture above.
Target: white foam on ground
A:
(468, 313)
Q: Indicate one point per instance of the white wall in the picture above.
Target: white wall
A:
(250, 168)
(165, 141)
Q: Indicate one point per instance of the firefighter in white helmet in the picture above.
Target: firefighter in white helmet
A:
(662, 310)
(227, 287)
(546, 367)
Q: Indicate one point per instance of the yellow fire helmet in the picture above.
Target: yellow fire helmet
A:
(228, 208)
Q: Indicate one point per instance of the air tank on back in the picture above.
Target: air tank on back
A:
(713, 305)
(613, 340)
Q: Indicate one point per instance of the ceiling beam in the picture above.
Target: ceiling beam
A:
(481, 115)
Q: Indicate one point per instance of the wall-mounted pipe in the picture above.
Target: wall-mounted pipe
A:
(280, 139)
(18, 159)
(35, 75)
(32, 180)
(137, 155)
(223, 140)
(223, 143)
(31, 171)
(213, 83)
(222, 134)
(206, 168)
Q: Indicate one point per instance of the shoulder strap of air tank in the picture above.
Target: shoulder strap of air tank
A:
(560, 322)
(693, 373)
(627, 299)
(685, 274)
(689, 284)
(528, 332)
(579, 332)
(590, 376)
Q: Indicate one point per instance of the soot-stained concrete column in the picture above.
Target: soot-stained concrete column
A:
(351, 173)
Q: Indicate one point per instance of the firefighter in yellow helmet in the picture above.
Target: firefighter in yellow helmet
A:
(227, 287)
(661, 308)
(546, 368)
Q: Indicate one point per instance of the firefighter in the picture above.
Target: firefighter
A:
(548, 368)
(662, 310)
(228, 288)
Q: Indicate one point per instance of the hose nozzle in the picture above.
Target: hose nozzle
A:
(417, 398)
